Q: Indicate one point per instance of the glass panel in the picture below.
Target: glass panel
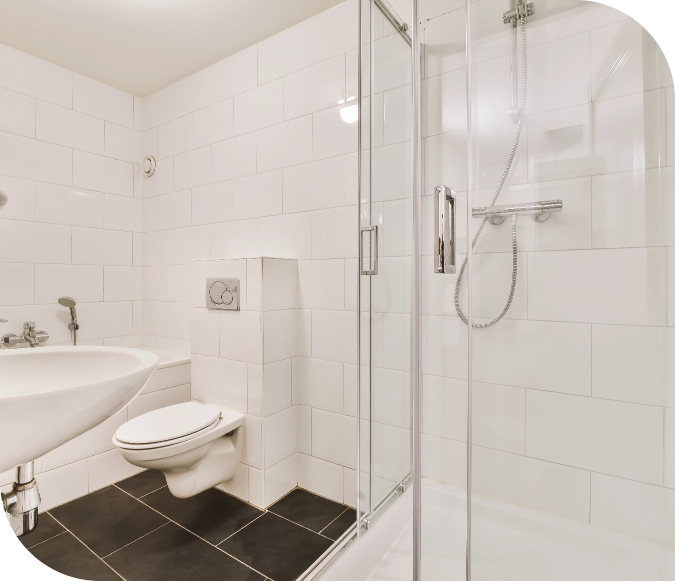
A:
(386, 205)
(572, 391)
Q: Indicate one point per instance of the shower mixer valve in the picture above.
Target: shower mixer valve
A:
(520, 11)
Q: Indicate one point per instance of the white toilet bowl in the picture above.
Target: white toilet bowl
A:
(195, 445)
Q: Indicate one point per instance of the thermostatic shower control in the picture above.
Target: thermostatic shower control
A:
(222, 293)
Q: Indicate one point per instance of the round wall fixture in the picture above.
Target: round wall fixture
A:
(3, 199)
(149, 165)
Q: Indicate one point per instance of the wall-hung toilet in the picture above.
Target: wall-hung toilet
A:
(195, 445)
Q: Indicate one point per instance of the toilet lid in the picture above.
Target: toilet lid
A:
(169, 423)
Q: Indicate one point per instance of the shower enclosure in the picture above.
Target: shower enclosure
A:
(528, 150)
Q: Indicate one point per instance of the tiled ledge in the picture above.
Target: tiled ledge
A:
(167, 358)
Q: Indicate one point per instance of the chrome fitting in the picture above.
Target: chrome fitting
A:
(519, 12)
(30, 336)
(21, 503)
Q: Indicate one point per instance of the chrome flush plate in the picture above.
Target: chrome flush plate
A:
(222, 293)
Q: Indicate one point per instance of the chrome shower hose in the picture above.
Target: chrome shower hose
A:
(507, 170)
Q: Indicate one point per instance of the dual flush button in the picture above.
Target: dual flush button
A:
(222, 293)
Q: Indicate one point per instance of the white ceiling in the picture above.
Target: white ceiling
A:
(141, 46)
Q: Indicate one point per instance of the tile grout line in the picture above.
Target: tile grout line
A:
(241, 529)
(87, 547)
(132, 542)
(301, 526)
(42, 542)
(194, 534)
(331, 522)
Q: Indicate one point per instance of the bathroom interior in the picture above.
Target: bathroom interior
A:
(245, 335)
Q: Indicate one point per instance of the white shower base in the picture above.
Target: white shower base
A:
(509, 544)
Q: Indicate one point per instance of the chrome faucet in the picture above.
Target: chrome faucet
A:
(30, 336)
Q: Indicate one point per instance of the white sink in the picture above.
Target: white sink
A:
(49, 395)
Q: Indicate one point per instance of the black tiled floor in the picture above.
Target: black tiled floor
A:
(69, 556)
(276, 547)
(143, 483)
(46, 529)
(335, 529)
(307, 509)
(107, 519)
(212, 514)
(173, 554)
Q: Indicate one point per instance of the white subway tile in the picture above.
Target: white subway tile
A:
(156, 318)
(335, 30)
(319, 384)
(173, 283)
(334, 132)
(158, 248)
(259, 107)
(398, 115)
(304, 429)
(109, 467)
(390, 397)
(277, 380)
(220, 381)
(205, 334)
(279, 335)
(318, 185)
(32, 247)
(287, 236)
(320, 477)
(279, 288)
(252, 452)
(235, 74)
(255, 389)
(280, 479)
(332, 235)
(669, 448)
(105, 247)
(444, 40)
(444, 460)
(21, 291)
(123, 283)
(321, 284)
(123, 143)
(83, 283)
(32, 76)
(150, 142)
(256, 487)
(193, 92)
(123, 213)
(174, 210)
(17, 113)
(333, 335)
(257, 195)
(161, 181)
(634, 364)
(233, 239)
(240, 336)
(285, 52)
(158, 107)
(212, 203)
(138, 114)
(213, 123)
(99, 320)
(103, 174)
(27, 158)
(174, 137)
(64, 126)
(285, 144)
(633, 508)
(62, 484)
(192, 169)
(622, 286)
(315, 88)
(234, 158)
(23, 198)
(604, 436)
(334, 438)
(392, 172)
(280, 439)
(103, 101)
(158, 399)
(68, 205)
(670, 124)
(190, 244)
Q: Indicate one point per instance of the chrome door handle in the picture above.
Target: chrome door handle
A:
(373, 257)
(445, 242)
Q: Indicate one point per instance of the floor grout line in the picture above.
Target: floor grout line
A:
(132, 542)
(241, 529)
(331, 522)
(301, 526)
(86, 546)
(46, 540)
(195, 534)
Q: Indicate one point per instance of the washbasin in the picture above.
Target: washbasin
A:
(50, 395)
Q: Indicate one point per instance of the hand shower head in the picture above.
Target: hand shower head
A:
(67, 302)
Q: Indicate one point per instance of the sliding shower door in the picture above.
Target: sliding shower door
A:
(386, 221)
(548, 368)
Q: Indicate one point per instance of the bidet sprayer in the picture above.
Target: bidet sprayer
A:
(70, 303)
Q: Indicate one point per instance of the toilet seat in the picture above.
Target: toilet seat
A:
(167, 426)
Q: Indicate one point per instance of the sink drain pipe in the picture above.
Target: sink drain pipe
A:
(21, 503)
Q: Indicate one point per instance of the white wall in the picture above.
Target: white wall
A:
(573, 389)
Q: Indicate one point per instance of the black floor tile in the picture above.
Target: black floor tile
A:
(307, 509)
(212, 514)
(335, 529)
(173, 554)
(46, 529)
(276, 547)
(107, 519)
(143, 483)
(69, 556)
